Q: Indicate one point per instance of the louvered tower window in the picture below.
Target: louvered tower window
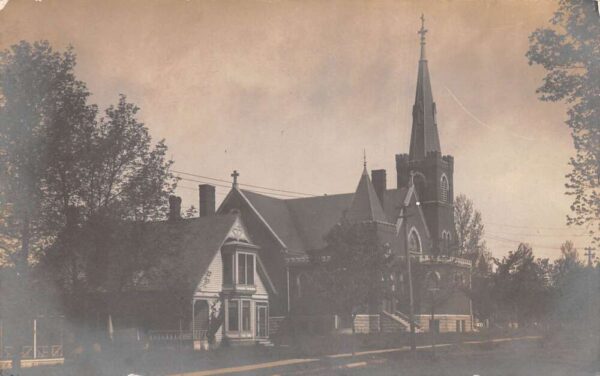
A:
(445, 187)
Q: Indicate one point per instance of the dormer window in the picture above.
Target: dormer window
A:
(445, 188)
(245, 269)
(238, 268)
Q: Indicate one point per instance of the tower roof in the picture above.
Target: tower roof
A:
(365, 203)
(424, 137)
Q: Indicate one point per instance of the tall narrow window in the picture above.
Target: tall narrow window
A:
(249, 269)
(241, 269)
(445, 187)
(245, 315)
(233, 317)
(414, 243)
(228, 269)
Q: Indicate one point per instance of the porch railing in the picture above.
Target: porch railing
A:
(176, 335)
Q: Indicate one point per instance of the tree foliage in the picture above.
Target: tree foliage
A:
(569, 50)
(469, 232)
(348, 275)
(66, 169)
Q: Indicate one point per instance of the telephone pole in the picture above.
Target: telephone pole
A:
(411, 313)
(590, 255)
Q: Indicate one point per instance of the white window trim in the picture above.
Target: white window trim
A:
(236, 279)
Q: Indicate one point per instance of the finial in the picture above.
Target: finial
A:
(364, 158)
(235, 175)
(422, 32)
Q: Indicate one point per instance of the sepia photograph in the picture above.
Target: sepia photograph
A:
(299, 187)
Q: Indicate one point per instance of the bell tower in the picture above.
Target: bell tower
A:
(433, 179)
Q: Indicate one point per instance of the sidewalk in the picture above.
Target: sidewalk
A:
(287, 362)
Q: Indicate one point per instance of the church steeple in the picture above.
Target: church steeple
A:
(365, 203)
(424, 136)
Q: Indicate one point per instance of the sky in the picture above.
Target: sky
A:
(289, 93)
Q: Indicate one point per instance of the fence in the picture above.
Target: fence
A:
(176, 335)
(44, 340)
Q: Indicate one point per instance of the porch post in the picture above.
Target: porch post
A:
(34, 338)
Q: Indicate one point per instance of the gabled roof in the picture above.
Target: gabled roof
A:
(302, 223)
(172, 254)
(275, 213)
(365, 203)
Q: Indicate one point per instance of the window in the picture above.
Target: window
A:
(233, 316)
(414, 243)
(446, 240)
(250, 269)
(445, 187)
(245, 269)
(228, 269)
(245, 315)
(241, 269)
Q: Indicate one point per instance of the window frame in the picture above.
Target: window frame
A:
(444, 188)
(248, 267)
(237, 304)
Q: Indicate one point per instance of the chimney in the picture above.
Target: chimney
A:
(174, 208)
(207, 199)
(379, 179)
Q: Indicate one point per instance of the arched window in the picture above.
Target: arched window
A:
(414, 241)
(446, 240)
(445, 188)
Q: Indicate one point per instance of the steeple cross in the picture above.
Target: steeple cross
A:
(235, 175)
(364, 158)
(423, 30)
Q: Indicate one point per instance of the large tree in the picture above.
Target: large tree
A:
(64, 168)
(520, 286)
(469, 232)
(569, 50)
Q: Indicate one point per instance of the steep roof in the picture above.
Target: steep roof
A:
(365, 203)
(302, 223)
(424, 135)
(165, 254)
(278, 216)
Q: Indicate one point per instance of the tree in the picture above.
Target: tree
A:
(569, 50)
(43, 118)
(65, 171)
(520, 287)
(348, 274)
(469, 233)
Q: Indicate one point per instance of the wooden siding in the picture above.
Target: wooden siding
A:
(212, 280)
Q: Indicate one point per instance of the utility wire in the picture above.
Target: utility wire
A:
(228, 186)
(247, 185)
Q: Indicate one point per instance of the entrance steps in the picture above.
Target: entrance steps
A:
(396, 322)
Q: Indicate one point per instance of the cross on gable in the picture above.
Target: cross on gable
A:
(235, 175)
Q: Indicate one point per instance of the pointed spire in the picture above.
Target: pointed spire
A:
(423, 31)
(424, 137)
(365, 203)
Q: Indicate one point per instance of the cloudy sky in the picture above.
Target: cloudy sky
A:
(290, 92)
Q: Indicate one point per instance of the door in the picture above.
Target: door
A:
(262, 321)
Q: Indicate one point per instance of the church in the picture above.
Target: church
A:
(247, 262)
(288, 230)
